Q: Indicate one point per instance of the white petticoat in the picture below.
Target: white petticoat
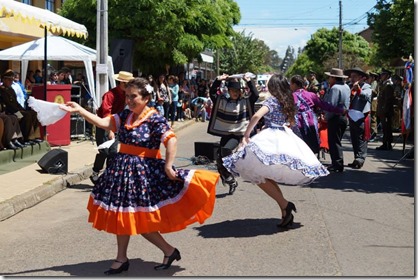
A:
(276, 154)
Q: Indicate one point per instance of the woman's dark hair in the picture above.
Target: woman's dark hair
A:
(140, 83)
(298, 81)
(279, 87)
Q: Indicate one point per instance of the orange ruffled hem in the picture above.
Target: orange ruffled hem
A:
(196, 205)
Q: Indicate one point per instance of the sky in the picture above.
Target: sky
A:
(283, 23)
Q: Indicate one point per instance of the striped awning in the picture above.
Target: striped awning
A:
(42, 18)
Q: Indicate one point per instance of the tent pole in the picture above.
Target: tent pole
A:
(45, 62)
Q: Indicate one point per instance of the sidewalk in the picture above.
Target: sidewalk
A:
(26, 187)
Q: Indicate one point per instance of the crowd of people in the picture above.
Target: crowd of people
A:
(181, 99)
(18, 123)
(276, 143)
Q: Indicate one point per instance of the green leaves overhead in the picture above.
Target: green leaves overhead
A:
(246, 55)
(165, 31)
(393, 29)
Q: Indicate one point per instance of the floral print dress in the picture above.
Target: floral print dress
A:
(275, 153)
(134, 194)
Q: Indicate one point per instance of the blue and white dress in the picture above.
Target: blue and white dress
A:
(275, 153)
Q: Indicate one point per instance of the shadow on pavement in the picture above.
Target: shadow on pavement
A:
(243, 228)
(386, 179)
(137, 268)
(83, 187)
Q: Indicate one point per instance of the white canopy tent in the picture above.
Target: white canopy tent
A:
(62, 49)
(27, 14)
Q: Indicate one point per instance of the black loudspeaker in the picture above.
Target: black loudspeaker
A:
(206, 149)
(54, 162)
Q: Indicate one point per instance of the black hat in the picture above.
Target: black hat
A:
(386, 71)
(357, 70)
(397, 78)
(234, 85)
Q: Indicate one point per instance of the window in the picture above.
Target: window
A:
(50, 5)
(29, 2)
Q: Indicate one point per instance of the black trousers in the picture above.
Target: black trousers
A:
(104, 154)
(227, 145)
(387, 130)
(336, 128)
(357, 140)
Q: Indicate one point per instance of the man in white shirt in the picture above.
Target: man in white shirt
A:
(19, 90)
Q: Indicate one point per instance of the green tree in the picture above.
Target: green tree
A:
(165, 32)
(321, 52)
(393, 29)
(245, 55)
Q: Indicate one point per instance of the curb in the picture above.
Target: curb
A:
(26, 200)
(48, 189)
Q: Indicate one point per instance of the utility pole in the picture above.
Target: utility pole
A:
(340, 45)
(102, 85)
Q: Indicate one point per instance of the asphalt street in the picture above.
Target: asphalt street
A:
(355, 223)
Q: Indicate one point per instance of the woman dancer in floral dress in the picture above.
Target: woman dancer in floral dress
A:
(140, 192)
(276, 154)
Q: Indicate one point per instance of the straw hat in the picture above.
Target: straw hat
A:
(123, 76)
(336, 72)
(9, 74)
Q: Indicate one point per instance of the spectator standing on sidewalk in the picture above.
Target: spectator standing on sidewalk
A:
(361, 98)
(385, 102)
(149, 196)
(113, 102)
(174, 91)
(164, 95)
(338, 94)
(229, 119)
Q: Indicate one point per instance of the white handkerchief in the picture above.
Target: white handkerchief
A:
(106, 144)
(355, 115)
(19, 115)
(47, 112)
(240, 76)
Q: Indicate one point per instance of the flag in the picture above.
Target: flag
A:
(406, 111)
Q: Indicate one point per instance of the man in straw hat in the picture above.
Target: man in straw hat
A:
(361, 98)
(338, 94)
(113, 102)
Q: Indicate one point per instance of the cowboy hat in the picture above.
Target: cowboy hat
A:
(336, 72)
(233, 85)
(9, 74)
(386, 71)
(373, 74)
(123, 76)
(356, 70)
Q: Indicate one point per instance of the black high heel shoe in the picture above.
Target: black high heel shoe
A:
(288, 219)
(174, 256)
(124, 267)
